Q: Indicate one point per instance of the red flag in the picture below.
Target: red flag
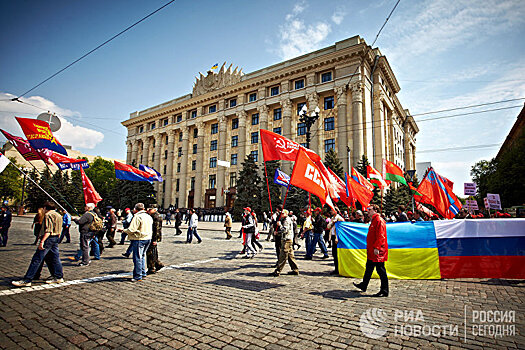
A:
(39, 135)
(306, 175)
(340, 188)
(277, 147)
(358, 192)
(25, 149)
(437, 193)
(90, 194)
(361, 179)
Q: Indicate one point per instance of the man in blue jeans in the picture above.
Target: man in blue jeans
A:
(48, 245)
(139, 233)
(319, 225)
(192, 227)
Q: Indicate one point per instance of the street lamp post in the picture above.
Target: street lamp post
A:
(308, 121)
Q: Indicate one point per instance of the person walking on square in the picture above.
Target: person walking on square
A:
(286, 251)
(139, 233)
(37, 224)
(5, 224)
(111, 227)
(192, 227)
(228, 225)
(125, 224)
(248, 228)
(376, 252)
(319, 225)
(152, 254)
(48, 245)
(168, 217)
(336, 216)
(87, 235)
(178, 222)
(66, 224)
(308, 232)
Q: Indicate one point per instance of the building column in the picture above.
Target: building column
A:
(129, 150)
(378, 131)
(198, 194)
(263, 124)
(145, 151)
(168, 194)
(342, 125)
(242, 115)
(156, 160)
(134, 152)
(286, 111)
(221, 171)
(184, 176)
(357, 122)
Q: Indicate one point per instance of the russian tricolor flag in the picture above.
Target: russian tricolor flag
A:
(130, 173)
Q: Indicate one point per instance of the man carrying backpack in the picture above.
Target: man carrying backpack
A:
(89, 223)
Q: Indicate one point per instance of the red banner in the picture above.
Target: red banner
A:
(90, 194)
(25, 149)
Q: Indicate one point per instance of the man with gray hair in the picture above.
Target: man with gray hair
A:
(139, 233)
(84, 222)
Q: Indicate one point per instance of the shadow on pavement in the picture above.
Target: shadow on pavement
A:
(250, 285)
(340, 294)
(212, 270)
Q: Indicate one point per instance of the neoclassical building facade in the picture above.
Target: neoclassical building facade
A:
(353, 85)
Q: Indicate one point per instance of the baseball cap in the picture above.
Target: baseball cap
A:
(249, 209)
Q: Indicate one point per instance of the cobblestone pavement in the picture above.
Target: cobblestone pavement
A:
(210, 298)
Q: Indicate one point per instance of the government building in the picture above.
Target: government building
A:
(186, 138)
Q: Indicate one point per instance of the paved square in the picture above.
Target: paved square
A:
(209, 298)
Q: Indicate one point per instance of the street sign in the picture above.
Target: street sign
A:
(494, 201)
(470, 189)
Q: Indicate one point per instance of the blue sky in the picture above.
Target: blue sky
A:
(445, 54)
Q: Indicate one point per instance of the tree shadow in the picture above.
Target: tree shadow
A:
(255, 286)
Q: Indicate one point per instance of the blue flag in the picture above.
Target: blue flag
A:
(281, 178)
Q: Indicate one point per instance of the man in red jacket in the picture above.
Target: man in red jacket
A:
(376, 251)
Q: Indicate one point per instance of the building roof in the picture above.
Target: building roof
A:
(515, 132)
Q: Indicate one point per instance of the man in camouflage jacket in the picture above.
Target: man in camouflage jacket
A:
(152, 254)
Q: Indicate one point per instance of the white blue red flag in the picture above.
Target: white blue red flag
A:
(281, 178)
(154, 173)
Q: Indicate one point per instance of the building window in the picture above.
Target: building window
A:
(305, 145)
(255, 137)
(329, 144)
(192, 184)
(255, 119)
(141, 159)
(195, 133)
(180, 136)
(141, 129)
(252, 97)
(166, 154)
(165, 122)
(193, 165)
(153, 157)
(194, 148)
(235, 123)
(232, 102)
(213, 162)
(299, 84)
(179, 151)
(234, 159)
(300, 106)
(163, 186)
(154, 142)
(326, 77)
(177, 185)
(329, 123)
(274, 91)
(212, 109)
(213, 145)
(178, 167)
(235, 141)
(194, 114)
(215, 128)
(152, 126)
(277, 130)
(329, 102)
(301, 129)
(179, 118)
(277, 115)
(255, 156)
(164, 171)
(212, 179)
(167, 139)
(233, 179)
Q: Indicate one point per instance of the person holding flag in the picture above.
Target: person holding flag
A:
(286, 253)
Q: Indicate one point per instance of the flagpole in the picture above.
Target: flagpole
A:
(268, 186)
(53, 199)
(286, 195)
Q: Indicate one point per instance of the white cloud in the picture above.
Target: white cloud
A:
(439, 25)
(338, 16)
(297, 38)
(69, 134)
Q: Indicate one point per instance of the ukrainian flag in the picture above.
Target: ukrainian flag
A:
(412, 250)
(215, 66)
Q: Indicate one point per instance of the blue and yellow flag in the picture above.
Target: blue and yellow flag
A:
(215, 66)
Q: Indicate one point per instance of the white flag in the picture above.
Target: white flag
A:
(4, 161)
(223, 163)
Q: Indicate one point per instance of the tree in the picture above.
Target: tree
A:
(362, 165)
(11, 182)
(248, 188)
(331, 161)
(396, 196)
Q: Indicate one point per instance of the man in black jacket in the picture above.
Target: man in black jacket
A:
(152, 254)
(178, 222)
(86, 235)
(5, 224)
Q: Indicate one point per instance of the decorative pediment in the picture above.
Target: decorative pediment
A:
(214, 81)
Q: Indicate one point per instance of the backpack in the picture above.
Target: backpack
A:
(97, 224)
